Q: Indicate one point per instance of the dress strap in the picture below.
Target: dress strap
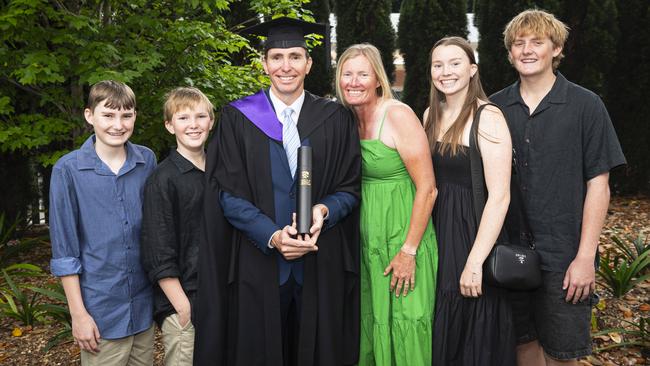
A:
(381, 123)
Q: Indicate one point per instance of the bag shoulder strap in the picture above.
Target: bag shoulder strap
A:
(476, 164)
(479, 189)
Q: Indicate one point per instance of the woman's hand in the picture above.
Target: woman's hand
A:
(403, 268)
(471, 280)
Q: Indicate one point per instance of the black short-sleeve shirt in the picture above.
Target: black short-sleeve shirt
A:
(566, 141)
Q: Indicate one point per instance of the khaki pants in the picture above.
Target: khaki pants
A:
(178, 341)
(135, 350)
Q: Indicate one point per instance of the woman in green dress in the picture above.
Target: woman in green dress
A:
(398, 245)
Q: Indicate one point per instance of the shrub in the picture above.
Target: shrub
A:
(638, 334)
(10, 247)
(422, 23)
(631, 252)
(59, 312)
(368, 21)
(21, 302)
(321, 76)
(619, 275)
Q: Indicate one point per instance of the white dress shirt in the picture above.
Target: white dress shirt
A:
(279, 106)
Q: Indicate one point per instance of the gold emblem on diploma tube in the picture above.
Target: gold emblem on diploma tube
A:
(305, 178)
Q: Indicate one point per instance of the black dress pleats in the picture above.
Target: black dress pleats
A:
(467, 331)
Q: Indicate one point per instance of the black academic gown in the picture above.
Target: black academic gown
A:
(237, 310)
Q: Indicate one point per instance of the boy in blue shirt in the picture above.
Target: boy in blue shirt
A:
(95, 216)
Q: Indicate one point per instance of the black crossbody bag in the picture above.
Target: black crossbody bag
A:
(509, 266)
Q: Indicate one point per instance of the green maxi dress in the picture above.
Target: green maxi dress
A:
(394, 330)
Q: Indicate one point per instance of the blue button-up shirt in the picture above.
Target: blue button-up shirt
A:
(95, 218)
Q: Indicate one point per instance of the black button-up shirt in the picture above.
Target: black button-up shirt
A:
(565, 142)
(173, 202)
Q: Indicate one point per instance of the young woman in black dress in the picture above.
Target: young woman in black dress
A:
(472, 322)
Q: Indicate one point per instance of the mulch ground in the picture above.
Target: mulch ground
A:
(628, 217)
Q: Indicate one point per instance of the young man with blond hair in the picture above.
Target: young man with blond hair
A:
(566, 146)
(171, 223)
(95, 216)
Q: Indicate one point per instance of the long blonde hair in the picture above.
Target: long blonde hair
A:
(371, 53)
(452, 138)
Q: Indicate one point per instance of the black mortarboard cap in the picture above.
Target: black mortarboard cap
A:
(286, 32)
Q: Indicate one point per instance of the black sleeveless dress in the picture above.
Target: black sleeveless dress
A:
(467, 331)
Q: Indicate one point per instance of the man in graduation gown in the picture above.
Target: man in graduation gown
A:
(267, 296)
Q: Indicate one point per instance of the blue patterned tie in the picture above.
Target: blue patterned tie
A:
(290, 139)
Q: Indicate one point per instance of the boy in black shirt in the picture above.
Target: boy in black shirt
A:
(566, 146)
(172, 218)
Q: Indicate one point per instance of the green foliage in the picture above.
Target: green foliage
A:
(59, 312)
(608, 52)
(14, 302)
(491, 18)
(50, 52)
(637, 334)
(23, 270)
(422, 23)
(5, 106)
(10, 245)
(619, 276)
(240, 15)
(64, 336)
(366, 21)
(628, 88)
(15, 199)
(26, 303)
(7, 233)
(291, 8)
(18, 270)
(395, 6)
(593, 31)
(321, 76)
(20, 302)
(633, 250)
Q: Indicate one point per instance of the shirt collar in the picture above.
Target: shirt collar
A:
(181, 162)
(88, 158)
(557, 94)
(514, 94)
(279, 106)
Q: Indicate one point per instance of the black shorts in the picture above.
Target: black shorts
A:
(562, 328)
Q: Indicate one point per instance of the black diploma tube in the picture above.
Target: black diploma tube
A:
(303, 216)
